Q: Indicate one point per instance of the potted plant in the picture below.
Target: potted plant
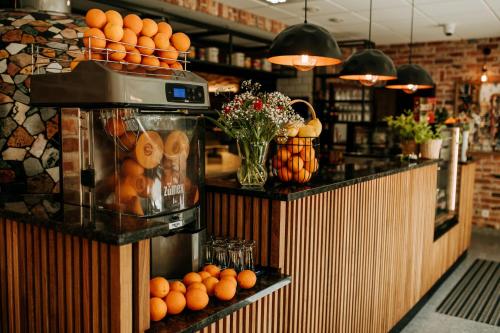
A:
(405, 126)
(430, 140)
(253, 118)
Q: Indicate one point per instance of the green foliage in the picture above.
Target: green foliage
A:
(405, 125)
(424, 132)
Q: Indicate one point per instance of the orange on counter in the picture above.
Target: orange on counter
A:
(230, 279)
(129, 39)
(176, 302)
(94, 38)
(158, 287)
(157, 309)
(204, 275)
(295, 164)
(165, 28)
(225, 290)
(113, 32)
(116, 51)
(213, 270)
(169, 56)
(210, 283)
(228, 272)
(180, 41)
(145, 45)
(149, 149)
(151, 61)
(133, 56)
(191, 278)
(115, 127)
(131, 168)
(161, 40)
(197, 285)
(247, 279)
(196, 299)
(284, 174)
(149, 27)
(133, 22)
(95, 18)
(177, 286)
(114, 17)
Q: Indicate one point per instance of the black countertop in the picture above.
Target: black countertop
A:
(193, 321)
(329, 177)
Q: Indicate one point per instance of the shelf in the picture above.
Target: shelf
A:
(195, 65)
(342, 101)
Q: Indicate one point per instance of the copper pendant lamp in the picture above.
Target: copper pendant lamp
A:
(304, 46)
(411, 77)
(370, 65)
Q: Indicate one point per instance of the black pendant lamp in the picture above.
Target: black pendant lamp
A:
(304, 46)
(370, 65)
(411, 77)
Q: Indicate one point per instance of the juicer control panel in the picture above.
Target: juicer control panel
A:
(185, 93)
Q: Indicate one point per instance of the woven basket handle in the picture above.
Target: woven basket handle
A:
(310, 108)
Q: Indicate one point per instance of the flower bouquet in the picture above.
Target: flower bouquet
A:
(254, 118)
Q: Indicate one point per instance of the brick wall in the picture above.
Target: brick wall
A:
(487, 190)
(300, 86)
(450, 61)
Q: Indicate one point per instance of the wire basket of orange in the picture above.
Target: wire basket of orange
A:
(295, 157)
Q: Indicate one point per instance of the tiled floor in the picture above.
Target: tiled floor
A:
(485, 245)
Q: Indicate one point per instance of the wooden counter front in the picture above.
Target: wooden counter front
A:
(360, 256)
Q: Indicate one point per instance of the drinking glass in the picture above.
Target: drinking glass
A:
(248, 259)
(220, 255)
(209, 252)
(235, 253)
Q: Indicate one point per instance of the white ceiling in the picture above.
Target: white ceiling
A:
(391, 18)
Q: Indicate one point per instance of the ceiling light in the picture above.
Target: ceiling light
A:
(411, 77)
(304, 46)
(275, 2)
(484, 75)
(370, 65)
(335, 20)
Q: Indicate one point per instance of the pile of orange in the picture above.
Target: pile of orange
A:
(195, 290)
(132, 40)
(296, 160)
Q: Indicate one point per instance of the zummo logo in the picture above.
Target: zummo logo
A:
(170, 190)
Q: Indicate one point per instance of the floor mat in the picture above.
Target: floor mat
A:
(477, 295)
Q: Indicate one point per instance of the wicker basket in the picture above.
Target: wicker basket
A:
(295, 159)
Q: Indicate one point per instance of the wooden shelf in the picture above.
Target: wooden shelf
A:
(226, 69)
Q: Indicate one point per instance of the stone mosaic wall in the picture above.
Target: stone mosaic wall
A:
(29, 136)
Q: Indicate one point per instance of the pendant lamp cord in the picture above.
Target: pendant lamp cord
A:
(370, 27)
(411, 32)
(305, 11)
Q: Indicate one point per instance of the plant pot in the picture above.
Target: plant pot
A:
(408, 147)
(431, 149)
(465, 146)
(252, 171)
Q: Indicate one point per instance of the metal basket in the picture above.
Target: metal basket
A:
(295, 159)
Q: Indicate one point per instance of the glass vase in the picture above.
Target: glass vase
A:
(253, 155)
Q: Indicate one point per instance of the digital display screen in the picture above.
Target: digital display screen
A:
(179, 92)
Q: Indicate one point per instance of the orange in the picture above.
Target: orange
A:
(295, 145)
(161, 41)
(177, 65)
(247, 279)
(228, 272)
(125, 192)
(165, 28)
(191, 278)
(284, 174)
(196, 299)
(180, 41)
(129, 39)
(164, 65)
(151, 61)
(148, 45)
(283, 154)
(213, 270)
(131, 168)
(113, 32)
(149, 27)
(178, 286)
(133, 22)
(115, 127)
(277, 162)
(116, 51)
(225, 290)
(114, 17)
(311, 166)
(307, 153)
(210, 283)
(115, 65)
(158, 287)
(197, 285)
(157, 309)
(133, 56)
(295, 164)
(95, 18)
(76, 61)
(230, 279)
(176, 302)
(93, 55)
(204, 275)
(302, 176)
(169, 56)
(94, 38)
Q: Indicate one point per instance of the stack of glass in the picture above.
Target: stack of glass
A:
(230, 253)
